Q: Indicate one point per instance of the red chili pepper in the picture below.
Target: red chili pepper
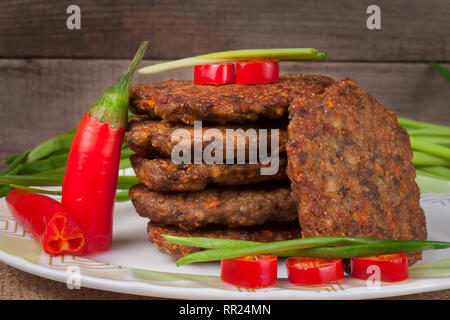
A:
(214, 73)
(90, 182)
(250, 272)
(47, 221)
(257, 71)
(391, 267)
(308, 271)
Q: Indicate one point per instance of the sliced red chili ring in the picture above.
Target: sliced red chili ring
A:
(391, 267)
(257, 71)
(308, 271)
(214, 73)
(250, 272)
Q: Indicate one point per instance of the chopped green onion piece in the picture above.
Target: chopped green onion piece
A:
(15, 164)
(212, 243)
(59, 143)
(365, 250)
(444, 72)
(324, 247)
(121, 196)
(271, 247)
(124, 182)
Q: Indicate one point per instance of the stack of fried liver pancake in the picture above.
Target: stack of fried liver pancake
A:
(348, 161)
(233, 201)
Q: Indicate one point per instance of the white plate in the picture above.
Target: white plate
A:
(134, 266)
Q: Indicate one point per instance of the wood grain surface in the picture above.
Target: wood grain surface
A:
(411, 30)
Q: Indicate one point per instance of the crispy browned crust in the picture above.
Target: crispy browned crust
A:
(350, 166)
(233, 207)
(184, 101)
(164, 175)
(152, 138)
(265, 233)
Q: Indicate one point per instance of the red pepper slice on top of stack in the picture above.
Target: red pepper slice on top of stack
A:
(214, 73)
(247, 72)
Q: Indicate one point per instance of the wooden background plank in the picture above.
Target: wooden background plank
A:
(413, 30)
(45, 97)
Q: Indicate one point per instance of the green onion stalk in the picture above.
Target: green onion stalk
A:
(121, 196)
(444, 72)
(320, 247)
(236, 55)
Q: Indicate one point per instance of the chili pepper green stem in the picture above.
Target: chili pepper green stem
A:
(112, 106)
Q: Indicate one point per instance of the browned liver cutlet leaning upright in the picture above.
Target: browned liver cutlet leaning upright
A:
(350, 166)
(233, 201)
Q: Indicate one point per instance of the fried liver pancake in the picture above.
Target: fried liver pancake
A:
(164, 175)
(153, 138)
(350, 165)
(233, 207)
(184, 101)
